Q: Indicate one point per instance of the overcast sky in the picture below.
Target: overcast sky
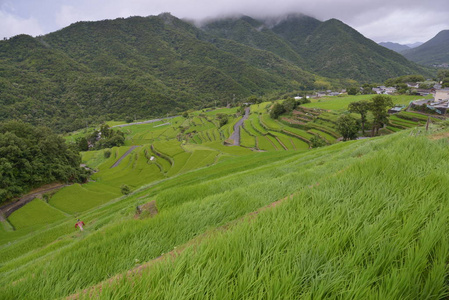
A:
(401, 21)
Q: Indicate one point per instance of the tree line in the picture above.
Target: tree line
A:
(33, 156)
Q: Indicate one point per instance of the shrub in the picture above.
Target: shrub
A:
(125, 189)
(107, 153)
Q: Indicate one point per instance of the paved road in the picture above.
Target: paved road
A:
(144, 122)
(123, 156)
(236, 134)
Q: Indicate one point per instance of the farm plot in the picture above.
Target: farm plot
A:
(270, 124)
(199, 159)
(34, 214)
(247, 140)
(329, 138)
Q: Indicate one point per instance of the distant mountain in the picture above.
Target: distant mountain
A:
(329, 48)
(394, 46)
(433, 52)
(414, 45)
(150, 66)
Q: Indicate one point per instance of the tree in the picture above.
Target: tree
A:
(33, 156)
(125, 189)
(378, 106)
(222, 119)
(361, 107)
(277, 110)
(348, 127)
(289, 104)
(352, 91)
(82, 144)
(317, 142)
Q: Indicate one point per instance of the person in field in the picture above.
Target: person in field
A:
(79, 224)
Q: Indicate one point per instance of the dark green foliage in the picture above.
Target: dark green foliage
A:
(32, 156)
(352, 91)
(348, 127)
(142, 67)
(289, 104)
(222, 119)
(254, 99)
(106, 137)
(82, 144)
(362, 108)
(379, 106)
(125, 189)
(317, 142)
(90, 72)
(333, 49)
(277, 110)
(400, 81)
(107, 153)
(303, 100)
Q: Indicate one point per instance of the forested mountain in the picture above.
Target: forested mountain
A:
(148, 66)
(394, 46)
(434, 51)
(329, 48)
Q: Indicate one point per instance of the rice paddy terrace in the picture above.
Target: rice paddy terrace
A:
(269, 220)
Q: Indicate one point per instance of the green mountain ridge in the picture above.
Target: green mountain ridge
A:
(146, 67)
(331, 48)
(434, 51)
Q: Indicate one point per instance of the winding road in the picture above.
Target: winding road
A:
(236, 134)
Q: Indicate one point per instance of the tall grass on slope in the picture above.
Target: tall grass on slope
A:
(101, 254)
(376, 230)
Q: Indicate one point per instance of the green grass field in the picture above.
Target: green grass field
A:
(353, 223)
(341, 103)
(343, 230)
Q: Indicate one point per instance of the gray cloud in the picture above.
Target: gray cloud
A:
(401, 21)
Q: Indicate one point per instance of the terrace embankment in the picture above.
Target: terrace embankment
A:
(7, 209)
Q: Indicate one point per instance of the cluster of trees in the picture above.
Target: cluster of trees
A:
(287, 106)
(33, 156)
(378, 106)
(106, 137)
(443, 76)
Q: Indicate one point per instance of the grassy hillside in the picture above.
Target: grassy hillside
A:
(143, 67)
(351, 222)
(135, 67)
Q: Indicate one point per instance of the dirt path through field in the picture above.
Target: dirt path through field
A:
(123, 156)
(236, 134)
(7, 209)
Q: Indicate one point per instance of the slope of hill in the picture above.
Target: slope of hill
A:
(126, 67)
(394, 46)
(330, 48)
(433, 52)
(347, 221)
(146, 67)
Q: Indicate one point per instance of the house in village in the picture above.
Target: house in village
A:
(413, 85)
(384, 90)
(440, 103)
